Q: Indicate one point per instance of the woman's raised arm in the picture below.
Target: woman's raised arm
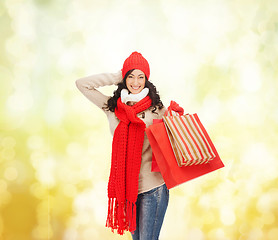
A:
(88, 85)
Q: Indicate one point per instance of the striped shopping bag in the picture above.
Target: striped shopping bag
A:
(190, 141)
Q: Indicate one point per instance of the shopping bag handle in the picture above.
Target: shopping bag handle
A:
(175, 107)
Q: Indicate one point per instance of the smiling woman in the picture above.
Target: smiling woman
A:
(137, 197)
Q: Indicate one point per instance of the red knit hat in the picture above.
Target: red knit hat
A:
(136, 61)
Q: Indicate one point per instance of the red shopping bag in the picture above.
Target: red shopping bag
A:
(155, 167)
(172, 174)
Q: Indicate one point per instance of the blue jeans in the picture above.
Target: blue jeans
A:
(150, 211)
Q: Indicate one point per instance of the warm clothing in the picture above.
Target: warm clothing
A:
(147, 180)
(125, 167)
(136, 61)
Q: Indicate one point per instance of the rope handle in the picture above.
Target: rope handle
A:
(176, 107)
(169, 109)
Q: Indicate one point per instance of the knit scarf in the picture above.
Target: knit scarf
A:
(125, 166)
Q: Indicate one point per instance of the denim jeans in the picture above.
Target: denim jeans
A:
(151, 207)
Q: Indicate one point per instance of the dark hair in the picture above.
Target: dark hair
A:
(153, 94)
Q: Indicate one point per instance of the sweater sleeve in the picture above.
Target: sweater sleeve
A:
(88, 85)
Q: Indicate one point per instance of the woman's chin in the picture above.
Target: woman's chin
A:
(135, 91)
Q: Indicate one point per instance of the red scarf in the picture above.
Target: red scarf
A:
(125, 166)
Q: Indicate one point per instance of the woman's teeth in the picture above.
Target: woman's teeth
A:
(135, 88)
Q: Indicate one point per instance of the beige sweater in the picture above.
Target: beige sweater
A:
(87, 85)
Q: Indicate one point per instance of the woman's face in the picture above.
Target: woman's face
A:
(135, 81)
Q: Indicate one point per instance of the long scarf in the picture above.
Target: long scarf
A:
(125, 166)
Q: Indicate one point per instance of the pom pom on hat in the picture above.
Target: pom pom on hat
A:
(136, 61)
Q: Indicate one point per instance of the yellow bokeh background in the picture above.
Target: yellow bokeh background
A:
(216, 58)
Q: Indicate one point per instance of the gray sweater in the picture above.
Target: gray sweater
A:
(87, 85)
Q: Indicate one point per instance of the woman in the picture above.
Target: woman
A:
(137, 197)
